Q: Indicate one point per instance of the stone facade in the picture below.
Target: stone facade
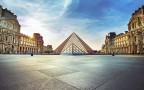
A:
(103, 49)
(12, 41)
(39, 42)
(121, 43)
(109, 42)
(132, 41)
(27, 44)
(32, 44)
(9, 32)
(47, 49)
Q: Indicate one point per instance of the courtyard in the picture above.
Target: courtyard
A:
(59, 72)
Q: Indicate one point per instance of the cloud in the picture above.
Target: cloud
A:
(53, 28)
(55, 20)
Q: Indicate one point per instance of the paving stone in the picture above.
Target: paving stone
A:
(131, 80)
(82, 80)
(57, 71)
(42, 84)
(45, 66)
(54, 72)
(22, 77)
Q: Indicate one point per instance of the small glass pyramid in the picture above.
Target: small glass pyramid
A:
(73, 45)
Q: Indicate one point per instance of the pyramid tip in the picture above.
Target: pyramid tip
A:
(73, 33)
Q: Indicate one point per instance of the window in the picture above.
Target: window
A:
(0, 30)
(0, 37)
(139, 21)
(0, 23)
(135, 38)
(13, 39)
(6, 38)
(6, 24)
(13, 26)
(129, 27)
(133, 25)
(4, 30)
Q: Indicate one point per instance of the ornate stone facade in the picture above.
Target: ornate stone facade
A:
(12, 41)
(136, 31)
(109, 42)
(27, 44)
(121, 43)
(32, 44)
(132, 41)
(9, 32)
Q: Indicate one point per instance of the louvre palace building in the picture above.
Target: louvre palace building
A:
(131, 41)
(12, 41)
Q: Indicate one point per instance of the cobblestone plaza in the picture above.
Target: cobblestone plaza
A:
(83, 72)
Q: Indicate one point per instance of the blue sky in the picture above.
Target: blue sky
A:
(55, 20)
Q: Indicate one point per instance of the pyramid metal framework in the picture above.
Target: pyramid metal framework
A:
(73, 45)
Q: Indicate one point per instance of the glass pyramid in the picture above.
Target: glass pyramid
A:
(73, 49)
(73, 45)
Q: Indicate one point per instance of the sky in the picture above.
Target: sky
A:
(55, 20)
